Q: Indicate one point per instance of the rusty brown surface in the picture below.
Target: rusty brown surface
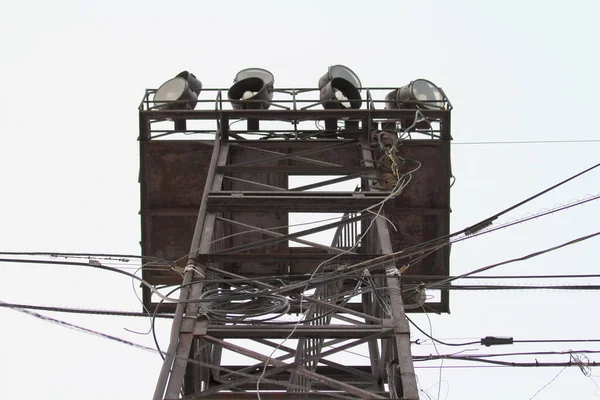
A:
(174, 173)
(430, 184)
(412, 230)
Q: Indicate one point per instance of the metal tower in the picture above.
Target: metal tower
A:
(263, 311)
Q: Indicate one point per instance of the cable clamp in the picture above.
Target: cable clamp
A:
(191, 266)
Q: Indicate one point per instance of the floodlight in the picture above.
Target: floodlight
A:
(252, 89)
(179, 93)
(419, 94)
(340, 88)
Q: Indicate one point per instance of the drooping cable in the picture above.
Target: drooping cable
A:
(71, 310)
(149, 349)
(488, 221)
(437, 340)
(523, 258)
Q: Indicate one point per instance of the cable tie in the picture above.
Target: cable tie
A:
(495, 340)
(192, 267)
(479, 226)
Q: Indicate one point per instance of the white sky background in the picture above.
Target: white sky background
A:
(72, 76)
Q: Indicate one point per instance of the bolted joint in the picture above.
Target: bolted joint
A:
(398, 326)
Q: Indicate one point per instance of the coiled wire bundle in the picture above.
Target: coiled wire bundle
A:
(242, 305)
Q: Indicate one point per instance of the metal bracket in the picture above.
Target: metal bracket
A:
(201, 326)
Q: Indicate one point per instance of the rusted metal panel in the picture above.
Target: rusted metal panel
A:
(430, 184)
(415, 229)
(173, 176)
(175, 173)
(338, 152)
(272, 218)
(172, 181)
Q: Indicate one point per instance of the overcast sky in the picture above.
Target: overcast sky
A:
(72, 75)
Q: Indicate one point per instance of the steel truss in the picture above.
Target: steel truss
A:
(340, 297)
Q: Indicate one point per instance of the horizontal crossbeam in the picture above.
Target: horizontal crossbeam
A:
(282, 332)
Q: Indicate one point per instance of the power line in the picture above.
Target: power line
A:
(317, 277)
(510, 340)
(152, 288)
(547, 384)
(519, 287)
(492, 277)
(107, 256)
(476, 357)
(472, 231)
(569, 363)
(142, 347)
(115, 313)
(439, 341)
(524, 353)
(486, 222)
(77, 327)
(529, 142)
(523, 258)
(558, 341)
(492, 340)
(528, 218)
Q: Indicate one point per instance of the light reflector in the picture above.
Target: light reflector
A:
(179, 93)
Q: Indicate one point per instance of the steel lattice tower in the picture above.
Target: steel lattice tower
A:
(216, 204)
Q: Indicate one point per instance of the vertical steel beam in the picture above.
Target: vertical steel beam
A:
(186, 336)
(173, 348)
(403, 356)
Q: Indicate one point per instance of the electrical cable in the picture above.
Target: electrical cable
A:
(377, 261)
(512, 223)
(107, 256)
(557, 341)
(429, 286)
(519, 287)
(494, 277)
(523, 258)
(526, 353)
(486, 222)
(110, 255)
(459, 277)
(152, 288)
(551, 211)
(438, 353)
(569, 363)
(70, 310)
(530, 142)
(530, 217)
(439, 341)
(400, 184)
(409, 277)
(547, 384)
(149, 349)
(74, 327)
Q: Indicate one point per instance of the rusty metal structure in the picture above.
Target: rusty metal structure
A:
(262, 309)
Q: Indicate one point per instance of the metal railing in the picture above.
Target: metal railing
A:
(288, 99)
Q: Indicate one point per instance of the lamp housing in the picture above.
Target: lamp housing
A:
(179, 93)
(418, 94)
(340, 88)
(252, 89)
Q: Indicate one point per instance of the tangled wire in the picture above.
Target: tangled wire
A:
(242, 305)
